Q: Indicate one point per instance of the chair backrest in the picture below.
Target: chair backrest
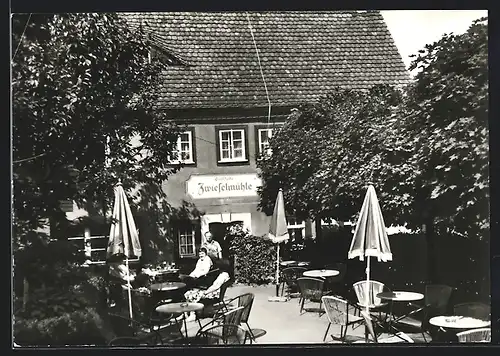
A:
(475, 335)
(311, 288)
(437, 297)
(246, 301)
(291, 274)
(234, 316)
(223, 289)
(369, 325)
(474, 310)
(337, 310)
(223, 334)
(367, 292)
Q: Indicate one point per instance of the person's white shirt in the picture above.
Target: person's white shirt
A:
(213, 248)
(202, 267)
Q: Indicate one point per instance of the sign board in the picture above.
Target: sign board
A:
(223, 185)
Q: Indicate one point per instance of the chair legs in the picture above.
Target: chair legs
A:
(326, 332)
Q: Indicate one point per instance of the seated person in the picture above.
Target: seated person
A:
(203, 266)
(119, 278)
(212, 293)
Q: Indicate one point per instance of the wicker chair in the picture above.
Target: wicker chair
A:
(311, 289)
(436, 299)
(232, 316)
(475, 335)
(289, 279)
(474, 310)
(245, 301)
(212, 307)
(368, 292)
(223, 334)
(338, 313)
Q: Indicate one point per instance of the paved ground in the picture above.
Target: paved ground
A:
(283, 322)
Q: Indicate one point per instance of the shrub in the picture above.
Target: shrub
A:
(79, 327)
(255, 257)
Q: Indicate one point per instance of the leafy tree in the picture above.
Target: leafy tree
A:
(447, 124)
(78, 81)
(328, 151)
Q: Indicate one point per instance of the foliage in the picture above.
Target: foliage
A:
(77, 81)
(255, 256)
(447, 126)
(79, 327)
(328, 151)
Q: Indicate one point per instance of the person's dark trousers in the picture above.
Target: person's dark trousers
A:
(188, 280)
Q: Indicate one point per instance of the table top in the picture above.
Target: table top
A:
(294, 263)
(458, 322)
(182, 307)
(321, 273)
(400, 296)
(166, 286)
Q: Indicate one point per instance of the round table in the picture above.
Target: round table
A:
(321, 273)
(183, 307)
(167, 286)
(458, 322)
(400, 296)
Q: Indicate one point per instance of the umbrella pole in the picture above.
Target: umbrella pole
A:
(368, 294)
(128, 290)
(277, 269)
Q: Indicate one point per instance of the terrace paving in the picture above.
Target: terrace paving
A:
(283, 322)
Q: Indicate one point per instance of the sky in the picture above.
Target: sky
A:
(413, 29)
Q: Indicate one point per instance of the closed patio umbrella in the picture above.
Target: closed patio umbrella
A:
(123, 235)
(370, 236)
(278, 231)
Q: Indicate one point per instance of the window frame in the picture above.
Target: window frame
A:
(192, 137)
(218, 136)
(258, 128)
(184, 230)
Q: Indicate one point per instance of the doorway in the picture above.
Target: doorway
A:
(219, 232)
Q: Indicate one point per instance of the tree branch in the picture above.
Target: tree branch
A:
(29, 158)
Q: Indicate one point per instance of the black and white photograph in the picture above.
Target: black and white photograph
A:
(228, 178)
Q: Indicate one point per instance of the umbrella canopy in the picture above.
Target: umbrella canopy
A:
(370, 236)
(123, 236)
(278, 231)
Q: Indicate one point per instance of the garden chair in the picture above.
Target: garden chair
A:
(206, 281)
(474, 310)
(475, 335)
(367, 292)
(436, 299)
(311, 289)
(214, 306)
(232, 316)
(338, 312)
(246, 301)
(289, 280)
(399, 337)
(223, 334)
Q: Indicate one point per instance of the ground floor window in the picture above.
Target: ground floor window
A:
(186, 238)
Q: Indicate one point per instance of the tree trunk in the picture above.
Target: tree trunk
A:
(430, 237)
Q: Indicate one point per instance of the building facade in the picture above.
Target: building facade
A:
(233, 78)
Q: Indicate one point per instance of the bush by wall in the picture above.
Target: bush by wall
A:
(255, 257)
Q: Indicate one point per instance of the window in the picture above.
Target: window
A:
(184, 152)
(232, 145)
(296, 230)
(186, 242)
(263, 136)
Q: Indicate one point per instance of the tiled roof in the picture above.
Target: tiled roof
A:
(303, 54)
